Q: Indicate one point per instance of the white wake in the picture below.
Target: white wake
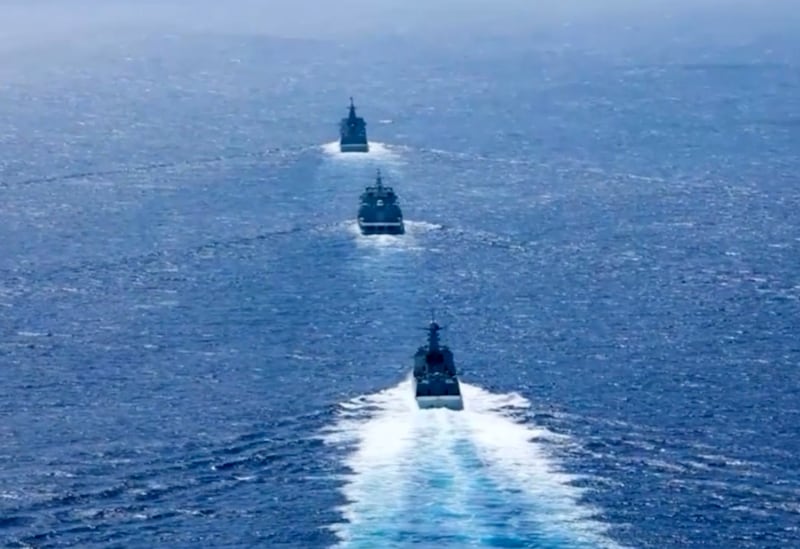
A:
(407, 241)
(377, 151)
(454, 479)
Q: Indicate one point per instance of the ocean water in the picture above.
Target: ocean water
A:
(199, 350)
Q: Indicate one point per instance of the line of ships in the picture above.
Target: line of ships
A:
(378, 211)
(435, 380)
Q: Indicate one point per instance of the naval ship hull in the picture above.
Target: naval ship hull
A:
(426, 400)
(354, 147)
(455, 403)
(381, 227)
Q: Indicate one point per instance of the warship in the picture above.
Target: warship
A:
(435, 380)
(378, 211)
(353, 132)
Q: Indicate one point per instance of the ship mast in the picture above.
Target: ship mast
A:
(352, 109)
(433, 336)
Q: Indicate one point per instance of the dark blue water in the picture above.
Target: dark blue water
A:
(199, 350)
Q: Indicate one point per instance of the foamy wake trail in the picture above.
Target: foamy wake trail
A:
(377, 150)
(437, 478)
(407, 241)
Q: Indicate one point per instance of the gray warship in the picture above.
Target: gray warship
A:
(353, 132)
(379, 211)
(435, 380)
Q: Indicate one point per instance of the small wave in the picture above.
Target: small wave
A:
(418, 227)
(454, 479)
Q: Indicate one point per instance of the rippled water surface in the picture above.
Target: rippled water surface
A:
(199, 349)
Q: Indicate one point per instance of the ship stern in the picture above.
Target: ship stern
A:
(450, 402)
(354, 147)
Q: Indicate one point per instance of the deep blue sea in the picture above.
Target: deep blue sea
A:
(198, 349)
